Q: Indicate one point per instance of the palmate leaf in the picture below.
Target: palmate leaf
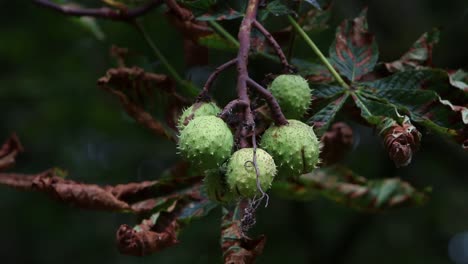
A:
(417, 93)
(313, 72)
(345, 187)
(374, 111)
(420, 54)
(324, 118)
(433, 98)
(354, 50)
(327, 102)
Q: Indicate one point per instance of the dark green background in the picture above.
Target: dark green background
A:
(49, 65)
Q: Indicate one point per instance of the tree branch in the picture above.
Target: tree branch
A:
(132, 197)
(275, 109)
(206, 88)
(288, 68)
(103, 12)
(242, 62)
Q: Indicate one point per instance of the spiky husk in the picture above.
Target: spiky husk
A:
(294, 147)
(241, 176)
(196, 110)
(293, 95)
(206, 142)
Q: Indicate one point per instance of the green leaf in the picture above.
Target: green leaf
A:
(313, 72)
(275, 8)
(324, 91)
(91, 25)
(420, 54)
(416, 93)
(343, 186)
(375, 112)
(215, 41)
(354, 51)
(323, 118)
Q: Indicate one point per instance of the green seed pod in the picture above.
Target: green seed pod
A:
(241, 176)
(206, 142)
(216, 188)
(196, 110)
(294, 147)
(292, 93)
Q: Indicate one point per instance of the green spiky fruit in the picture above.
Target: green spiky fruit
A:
(292, 93)
(196, 110)
(294, 147)
(206, 142)
(216, 188)
(241, 176)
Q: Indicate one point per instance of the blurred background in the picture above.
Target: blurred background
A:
(49, 65)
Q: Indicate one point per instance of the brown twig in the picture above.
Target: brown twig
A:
(288, 68)
(103, 12)
(134, 197)
(232, 106)
(204, 94)
(275, 109)
(243, 75)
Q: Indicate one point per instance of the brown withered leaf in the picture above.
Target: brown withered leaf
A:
(236, 247)
(419, 55)
(344, 186)
(135, 89)
(160, 230)
(132, 197)
(9, 151)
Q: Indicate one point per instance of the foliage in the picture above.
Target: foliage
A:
(403, 100)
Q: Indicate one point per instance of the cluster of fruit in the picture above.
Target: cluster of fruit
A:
(287, 151)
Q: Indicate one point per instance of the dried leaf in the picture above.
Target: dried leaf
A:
(8, 152)
(135, 197)
(135, 89)
(237, 248)
(345, 187)
(420, 54)
(161, 229)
